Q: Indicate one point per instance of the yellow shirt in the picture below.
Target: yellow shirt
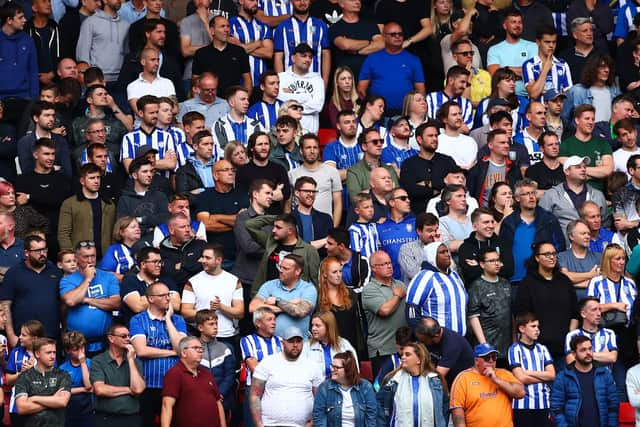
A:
(480, 85)
(484, 404)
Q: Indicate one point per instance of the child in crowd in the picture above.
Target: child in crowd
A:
(217, 357)
(404, 336)
(531, 363)
(364, 235)
(21, 359)
(79, 411)
(67, 262)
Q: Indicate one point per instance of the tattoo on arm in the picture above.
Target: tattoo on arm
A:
(299, 309)
(255, 400)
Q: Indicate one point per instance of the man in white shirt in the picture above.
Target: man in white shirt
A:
(215, 289)
(304, 86)
(149, 82)
(627, 135)
(462, 148)
(281, 379)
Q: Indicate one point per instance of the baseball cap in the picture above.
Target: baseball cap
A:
(484, 349)
(143, 150)
(575, 161)
(499, 102)
(292, 332)
(397, 119)
(303, 48)
(552, 94)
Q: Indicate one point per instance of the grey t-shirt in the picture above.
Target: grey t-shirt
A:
(328, 179)
(193, 27)
(569, 261)
(495, 173)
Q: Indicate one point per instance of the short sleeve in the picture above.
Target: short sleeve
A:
(278, 39)
(366, 69)
(473, 307)
(310, 294)
(527, 72)
(329, 155)
(171, 386)
(188, 297)
(605, 148)
(238, 294)
(458, 393)
(7, 290)
(129, 285)
(324, 42)
(265, 291)
(135, 326)
(567, 341)
(12, 367)
(96, 373)
(67, 285)
(372, 298)
(261, 372)
(505, 375)
(21, 387)
(112, 285)
(179, 323)
(336, 182)
(108, 262)
(65, 381)
(492, 56)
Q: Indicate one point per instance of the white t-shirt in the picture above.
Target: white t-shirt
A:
(620, 158)
(288, 394)
(206, 287)
(462, 148)
(348, 414)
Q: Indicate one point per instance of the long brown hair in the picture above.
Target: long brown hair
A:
(426, 365)
(350, 367)
(500, 75)
(331, 325)
(336, 98)
(324, 303)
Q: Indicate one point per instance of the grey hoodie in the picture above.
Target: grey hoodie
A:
(103, 43)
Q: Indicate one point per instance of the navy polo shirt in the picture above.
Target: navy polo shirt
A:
(132, 283)
(33, 296)
(13, 254)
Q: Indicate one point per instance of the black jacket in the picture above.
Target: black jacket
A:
(470, 250)
(477, 174)
(432, 172)
(187, 179)
(54, 44)
(181, 263)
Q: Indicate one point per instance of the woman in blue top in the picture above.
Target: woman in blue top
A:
(413, 394)
(344, 399)
(119, 257)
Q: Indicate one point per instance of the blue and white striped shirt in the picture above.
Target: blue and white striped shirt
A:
(247, 32)
(84, 160)
(602, 340)
(266, 114)
(624, 20)
(384, 133)
(343, 156)
(118, 259)
(607, 292)
(558, 78)
(531, 358)
(155, 331)
(441, 296)
(159, 139)
(435, 100)
(364, 238)
(183, 150)
(258, 347)
(393, 154)
(275, 7)
(534, 149)
(292, 32)
(17, 357)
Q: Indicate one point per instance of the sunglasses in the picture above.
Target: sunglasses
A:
(376, 141)
(297, 107)
(87, 244)
(490, 357)
(403, 198)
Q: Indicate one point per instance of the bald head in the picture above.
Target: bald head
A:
(380, 181)
(224, 174)
(67, 67)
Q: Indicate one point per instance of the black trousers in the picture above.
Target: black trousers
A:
(531, 418)
(102, 419)
(150, 406)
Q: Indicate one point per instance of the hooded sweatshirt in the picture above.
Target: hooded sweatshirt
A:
(102, 43)
(18, 66)
(308, 90)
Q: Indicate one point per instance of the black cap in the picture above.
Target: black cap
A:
(143, 150)
(397, 119)
(499, 102)
(303, 48)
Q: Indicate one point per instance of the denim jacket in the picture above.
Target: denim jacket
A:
(578, 95)
(440, 402)
(327, 406)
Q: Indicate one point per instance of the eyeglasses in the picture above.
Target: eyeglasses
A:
(208, 90)
(103, 130)
(167, 295)
(296, 107)
(197, 348)
(225, 170)
(465, 53)
(383, 264)
(308, 191)
(490, 357)
(548, 254)
(154, 261)
(40, 250)
(394, 34)
(123, 336)
(528, 194)
(336, 366)
(403, 198)
(87, 244)
(376, 141)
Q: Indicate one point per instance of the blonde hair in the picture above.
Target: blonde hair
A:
(434, 17)
(612, 250)
(336, 99)
(120, 226)
(330, 324)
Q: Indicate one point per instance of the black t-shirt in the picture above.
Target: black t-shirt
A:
(273, 172)
(407, 13)
(228, 64)
(545, 177)
(275, 257)
(453, 352)
(96, 211)
(44, 53)
(322, 9)
(46, 193)
(364, 29)
(226, 8)
(589, 414)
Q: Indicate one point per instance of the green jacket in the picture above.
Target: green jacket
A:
(358, 178)
(265, 239)
(76, 222)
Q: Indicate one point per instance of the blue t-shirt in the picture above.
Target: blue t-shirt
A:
(81, 403)
(522, 240)
(512, 55)
(92, 321)
(393, 235)
(392, 76)
(303, 290)
(307, 227)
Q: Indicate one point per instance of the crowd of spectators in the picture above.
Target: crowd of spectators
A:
(239, 216)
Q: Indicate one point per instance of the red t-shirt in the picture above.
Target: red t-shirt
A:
(196, 397)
